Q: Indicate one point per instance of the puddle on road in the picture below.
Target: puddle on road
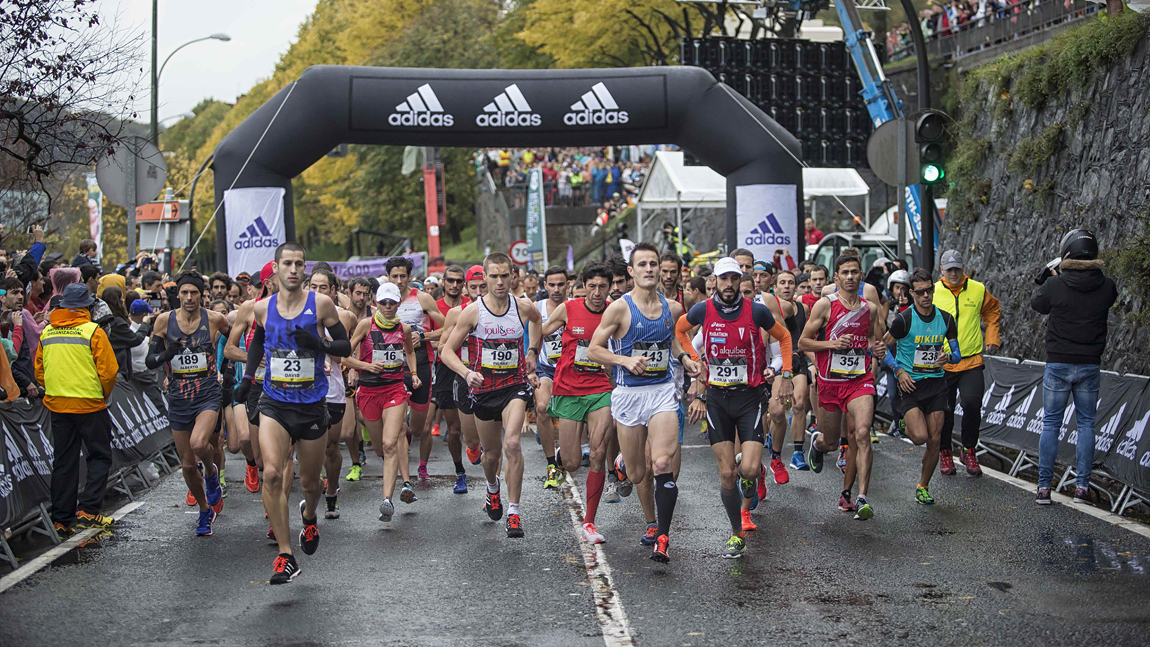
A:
(1086, 555)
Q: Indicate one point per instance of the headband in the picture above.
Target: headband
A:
(192, 279)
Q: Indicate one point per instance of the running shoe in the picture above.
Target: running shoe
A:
(1043, 496)
(799, 463)
(223, 485)
(625, 488)
(386, 510)
(63, 531)
(748, 523)
(946, 463)
(493, 506)
(621, 470)
(845, 502)
(309, 536)
(213, 492)
(204, 525)
(586, 459)
(435, 430)
(736, 546)
(649, 535)
(407, 494)
(780, 470)
(922, 495)
(85, 520)
(555, 477)
(659, 554)
(475, 455)
(285, 569)
(971, 462)
(748, 488)
(761, 492)
(514, 526)
(1081, 495)
(354, 473)
(460, 483)
(190, 499)
(611, 493)
(362, 455)
(590, 534)
(841, 462)
(873, 436)
(252, 478)
(271, 534)
(332, 511)
(423, 471)
(863, 511)
(815, 454)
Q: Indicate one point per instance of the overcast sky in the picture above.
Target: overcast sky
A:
(261, 31)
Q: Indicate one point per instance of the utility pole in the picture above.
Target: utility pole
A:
(155, 100)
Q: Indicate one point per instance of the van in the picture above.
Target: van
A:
(880, 240)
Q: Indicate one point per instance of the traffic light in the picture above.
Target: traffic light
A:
(933, 148)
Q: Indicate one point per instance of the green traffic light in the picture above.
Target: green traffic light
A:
(932, 173)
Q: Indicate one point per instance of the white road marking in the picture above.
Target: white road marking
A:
(608, 605)
(39, 563)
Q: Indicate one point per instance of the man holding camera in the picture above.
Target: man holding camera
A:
(1077, 296)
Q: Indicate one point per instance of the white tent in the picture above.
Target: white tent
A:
(672, 186)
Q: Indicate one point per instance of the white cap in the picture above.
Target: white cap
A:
(389, 291)
(727, 265)
(431, 279)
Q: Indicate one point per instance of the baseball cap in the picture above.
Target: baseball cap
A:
(431, 280)
(388, 291)
(474, 272)
(727, 265)
(267, 272)
(243, 277)
(764, 265)
(951, 259)
(139, 307)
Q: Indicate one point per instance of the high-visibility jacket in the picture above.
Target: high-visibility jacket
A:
(970, 304)
(75, 363)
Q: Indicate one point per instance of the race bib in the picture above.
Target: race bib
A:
(848, 364)
(189, 364)
(927, 358)
(292, 369)
(499, 358)
(463, 355)
(583, 364)
(553, 346)
(658, 356)
(727, 373)
(391, 355)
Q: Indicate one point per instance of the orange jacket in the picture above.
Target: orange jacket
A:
(102, 353)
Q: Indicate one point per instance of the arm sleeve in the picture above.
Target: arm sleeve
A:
(340, 345)
(255, 353)
(991, 315)
(776, 357)
(890, 361)
(900, 327)
(952, 337)
(157, 353)
(697, 314)
(682, 332)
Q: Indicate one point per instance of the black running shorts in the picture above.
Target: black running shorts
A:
(443, 390)
(460, 394)
(253, 403)
(489, 405)
(335, 411)
(420, 397)
(302, 421)
(928, 396)
(735, 414)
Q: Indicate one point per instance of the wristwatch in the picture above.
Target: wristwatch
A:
(701, 397)
(787, 375)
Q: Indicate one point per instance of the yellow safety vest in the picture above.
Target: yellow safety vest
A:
(69, 368)
(966, 309)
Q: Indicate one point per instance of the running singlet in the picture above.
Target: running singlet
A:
(383, 343)
(412, 314)
(553, 343)
(650, 338)
(443, 310)
(496, 348)
(575, 373)
(795, 325)
(193, 371)
(921, 344)
(851, 363)
(293, 374)
(336, 393)
(736, 355)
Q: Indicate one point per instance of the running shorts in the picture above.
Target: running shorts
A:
(634, 406)
(443, 389)
(182, 413)
(576, 407)
(734, 415)
(544, 371)
(335, 411)
(253, 403)
(929, 395)
(489, 405)
(302, 421)
(372, 400)
(420, 397)
(461, 394)
(834, 396)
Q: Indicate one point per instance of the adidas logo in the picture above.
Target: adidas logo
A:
(307, 311)
(1017, 420)
(769, 232)
(421, 108)
(996, 416)
(257, 235)
(510, 108)
(1129, 446)
(594, 108)
(1107, 433)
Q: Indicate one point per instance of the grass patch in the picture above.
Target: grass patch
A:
(467, 249)
(1033, 153)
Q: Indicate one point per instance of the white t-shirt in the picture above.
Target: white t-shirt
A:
(139, 351)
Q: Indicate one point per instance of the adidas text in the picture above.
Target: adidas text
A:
(250, 243)
(595, 117)
(768, 239)
(420, 119)
(508, 119)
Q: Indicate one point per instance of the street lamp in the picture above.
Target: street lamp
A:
(156, 74)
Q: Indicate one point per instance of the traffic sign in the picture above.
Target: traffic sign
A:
(173, 211)
(883, 156)
(141, 156)
(519, 252)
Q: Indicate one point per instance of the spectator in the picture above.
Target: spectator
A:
(814, 236)
(78, 379)
(140, 317)
(219, 284)
(87, 254)
(12, 330)
(89, 276)
(120, 332)
(61, 277)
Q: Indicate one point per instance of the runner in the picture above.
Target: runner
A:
(646, 397)
(737, 366)
(476, 288)
(383, 349)
(293, 413)
(582, 389)
(745, 259)
(916, 336)
(670, 272)
(443, 386)
(841, 328)
(360, 296)
(555, 278)
(795, 317)
(498, 378)
(764, 280)
(185, 340)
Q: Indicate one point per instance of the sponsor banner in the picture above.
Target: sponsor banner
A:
(768, 219)
(1011, 405)
(480, 105)
(374, 267)
(536, 220)
(96, 215)
(1128, 459)
(139, 428)
(255, 218)
(26, 462)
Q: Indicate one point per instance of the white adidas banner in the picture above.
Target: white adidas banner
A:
(255, 218)
(768, 219)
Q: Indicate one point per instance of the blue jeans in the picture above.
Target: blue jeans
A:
(1058, 383)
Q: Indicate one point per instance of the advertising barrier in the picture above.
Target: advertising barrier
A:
(366, 268)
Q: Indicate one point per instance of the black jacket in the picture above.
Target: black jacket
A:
(1078, 301)
(123, 340)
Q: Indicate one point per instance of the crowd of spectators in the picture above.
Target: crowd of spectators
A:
(572, 177)
(941, 19)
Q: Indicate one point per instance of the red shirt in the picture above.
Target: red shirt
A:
(814, 236)
(736, 355)
(575, 374)
(443, 308)
(851, 363)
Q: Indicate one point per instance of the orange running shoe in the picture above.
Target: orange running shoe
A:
(191, 500)
(435, 430)
(660, 552)
(252, 478)
(747, 523)
(475, 455)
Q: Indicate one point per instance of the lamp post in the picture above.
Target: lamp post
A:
(156, 73)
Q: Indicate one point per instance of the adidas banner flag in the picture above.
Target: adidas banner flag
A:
(255, 218)
(768, 220)
(25, 461)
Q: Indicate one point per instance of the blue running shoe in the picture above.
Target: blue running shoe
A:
(649, 535)
(212, 489)
(460, 483)
(798, 462)
(204, 527)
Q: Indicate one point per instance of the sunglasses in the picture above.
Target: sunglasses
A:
(453, 280)
(924, 292)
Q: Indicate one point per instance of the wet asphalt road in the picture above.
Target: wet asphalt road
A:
(984, 566)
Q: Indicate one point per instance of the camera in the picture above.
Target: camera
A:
(1048, 270)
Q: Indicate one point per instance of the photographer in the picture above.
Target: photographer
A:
(1077, 296)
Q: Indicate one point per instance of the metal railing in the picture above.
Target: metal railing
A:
(1000, 25)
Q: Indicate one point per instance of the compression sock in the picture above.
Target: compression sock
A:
(550, 461)
(775, 455)
(732, 503)
(799, 446)
(666, 493)
(594, 492)
(459, 468)
(251, 463)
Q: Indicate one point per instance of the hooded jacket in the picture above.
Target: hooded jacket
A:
(1078, 301)
(102, 354)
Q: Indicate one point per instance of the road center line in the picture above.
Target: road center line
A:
(608, 605)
